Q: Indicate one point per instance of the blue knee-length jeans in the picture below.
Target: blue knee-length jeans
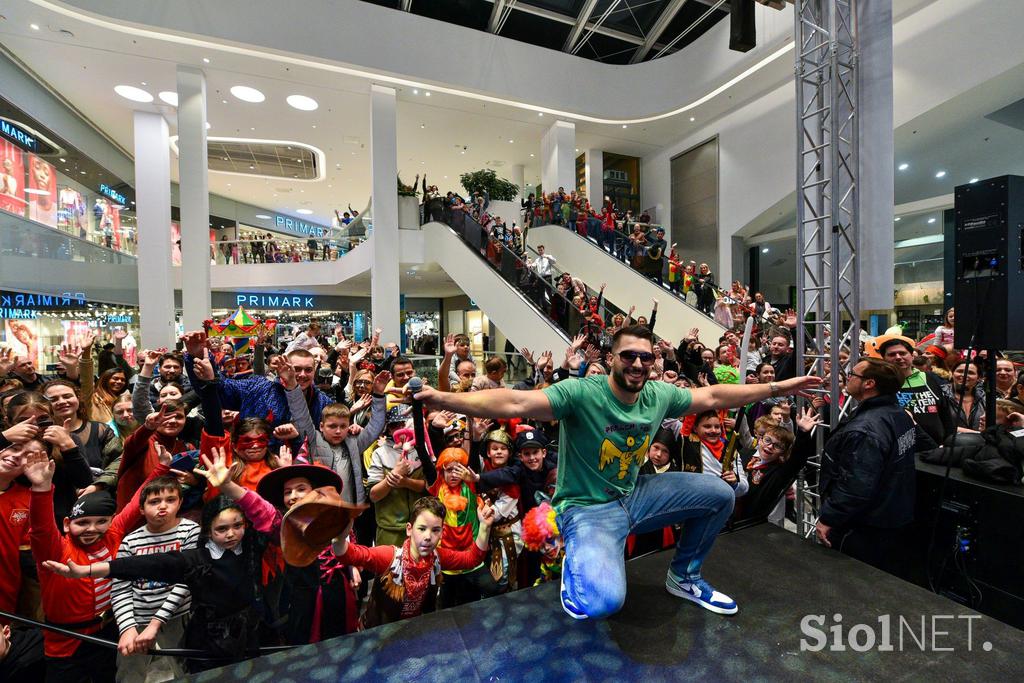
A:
(594, 570)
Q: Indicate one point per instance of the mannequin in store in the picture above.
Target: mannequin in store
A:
(8, 183)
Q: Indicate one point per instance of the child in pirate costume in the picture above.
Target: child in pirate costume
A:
(704, 449)
(409, 576)
(451, 482)
(222, 574)
(321, 596)
(93, 532)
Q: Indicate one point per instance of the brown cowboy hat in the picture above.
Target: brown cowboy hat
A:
(271, 486)
(313, 522)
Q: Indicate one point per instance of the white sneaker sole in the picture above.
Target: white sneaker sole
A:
(679, 593)
(561, 591)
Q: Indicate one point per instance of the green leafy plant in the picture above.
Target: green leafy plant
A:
(406, 190)
(498, 188)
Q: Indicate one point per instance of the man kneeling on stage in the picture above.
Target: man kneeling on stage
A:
(606, 426)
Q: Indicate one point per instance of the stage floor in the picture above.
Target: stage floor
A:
(776, 579)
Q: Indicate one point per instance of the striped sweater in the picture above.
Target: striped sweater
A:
(137, 602)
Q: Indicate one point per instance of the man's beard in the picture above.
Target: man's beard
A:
(619, 377)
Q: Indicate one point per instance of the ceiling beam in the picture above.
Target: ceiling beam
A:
(579, 25)
(664, 19)
(591, 26)
(406, 5)
(711, 3)
(496, 11)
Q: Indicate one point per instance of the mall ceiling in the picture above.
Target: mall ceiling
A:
(609, 31)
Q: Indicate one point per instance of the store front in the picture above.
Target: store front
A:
(37, 324)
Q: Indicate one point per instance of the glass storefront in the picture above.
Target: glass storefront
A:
(36, 325)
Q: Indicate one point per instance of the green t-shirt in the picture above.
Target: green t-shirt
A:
(601, 441)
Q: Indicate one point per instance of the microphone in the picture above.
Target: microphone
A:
(415, 385)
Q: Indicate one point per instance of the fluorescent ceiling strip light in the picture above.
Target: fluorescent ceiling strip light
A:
(919, 241)
(392, 80)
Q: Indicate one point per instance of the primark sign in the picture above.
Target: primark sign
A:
(19, 136)
(297, 226)
(299, 302)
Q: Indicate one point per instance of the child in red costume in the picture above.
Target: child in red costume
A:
(408, 577)
(14, 524)
(93, 535)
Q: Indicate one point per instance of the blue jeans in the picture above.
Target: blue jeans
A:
(594, 570)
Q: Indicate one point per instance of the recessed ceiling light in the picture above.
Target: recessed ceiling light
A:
(82, 172)
(540, 113)
(531, 155)
(415, 91)
(974, 180)
(62, 161)
(511, 141)
(206, 60)
(577, 149)
(422, 126)
(304, 212)
(692, 119)
(625, 126)
(427, 93)
(904, 166)
(940, 174)
(302, 102)
(765, 250)
(263, 216)
(897, 219)
(251, 167)
(130, 92)
(34, 27)
(931, 220)
(169, 97)
(207, 125)
(247, 94)
(252, 128)
(144, 83)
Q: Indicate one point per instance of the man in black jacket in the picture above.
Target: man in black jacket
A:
(867, 471)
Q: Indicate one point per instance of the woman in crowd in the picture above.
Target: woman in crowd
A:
(966, 396)
(98, 442)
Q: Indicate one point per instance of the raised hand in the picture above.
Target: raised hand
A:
(464, 473)
(442, 419)
(485, 513)
(790, 319)
(807, 420)
(284, 456)
(362, 404)
(7, 359)
(545, 360)
(285, 372)
(375, 339)
(527, 355)
(39, 471)
(449, 345)
(798, 386)
(214, 471)
(69, 357)
(578, 341)
(203, 367)
(380, 382)
(194, 342)
(150, 357)
(86, 340)
(228, 417)
(155, 419)
(356, 356)
(286, 432)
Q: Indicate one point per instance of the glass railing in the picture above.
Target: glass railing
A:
(25, 238)
(249, 251)
(513, 267)
(516, 367)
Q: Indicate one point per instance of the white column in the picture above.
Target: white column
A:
(517, 175)
(558, 157)
(194, 198)
(595, 177)
(384, 282)
(153, 213)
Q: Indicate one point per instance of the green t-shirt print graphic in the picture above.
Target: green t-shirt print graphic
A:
(602, 442)
(635, 452)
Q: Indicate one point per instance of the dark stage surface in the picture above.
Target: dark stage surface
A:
(775, 578)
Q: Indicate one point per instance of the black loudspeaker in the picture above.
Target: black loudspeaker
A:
(742, 32)
(990, 263)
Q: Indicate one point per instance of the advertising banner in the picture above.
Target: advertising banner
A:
(12, 178)
(42, 191)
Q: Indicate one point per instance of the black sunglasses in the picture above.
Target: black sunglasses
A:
(629, 357)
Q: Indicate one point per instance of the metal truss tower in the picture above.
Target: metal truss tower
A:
(827, 227)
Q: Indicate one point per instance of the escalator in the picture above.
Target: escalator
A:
(518, 304)
(625, 286)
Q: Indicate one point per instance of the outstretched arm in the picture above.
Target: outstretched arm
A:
(719, 396)
(492, 403)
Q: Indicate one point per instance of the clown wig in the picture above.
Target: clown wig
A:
(539, 526)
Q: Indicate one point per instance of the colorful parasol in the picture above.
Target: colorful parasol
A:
(241, 327)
